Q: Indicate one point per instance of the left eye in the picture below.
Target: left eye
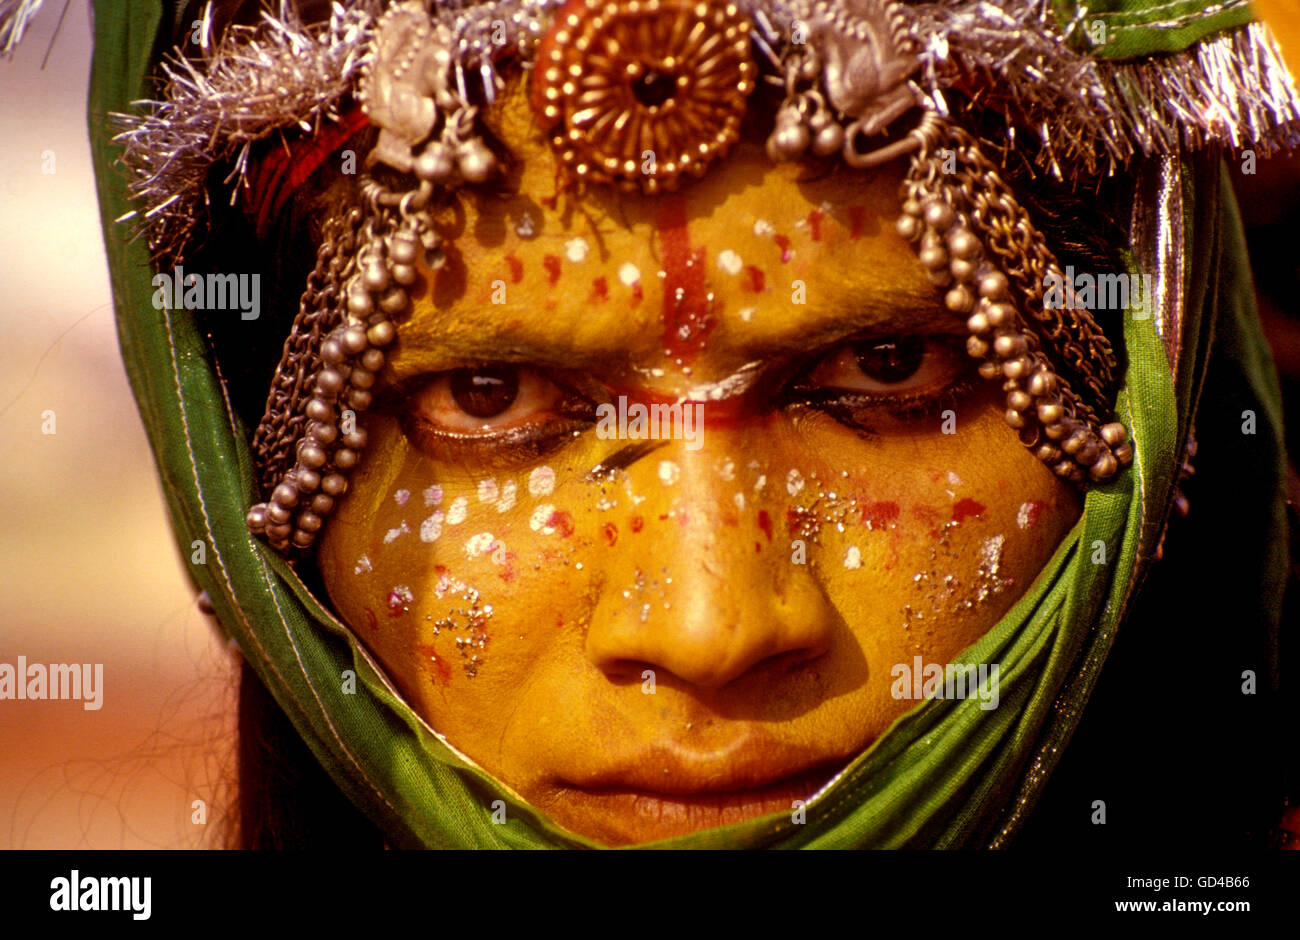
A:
(894, 365)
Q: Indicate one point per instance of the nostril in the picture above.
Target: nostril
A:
(631, 671)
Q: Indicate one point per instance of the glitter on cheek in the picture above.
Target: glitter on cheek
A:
(431, 528)
(469, 625)
(458, 510)
(669, 472)
(793, 482)
(487, 490)
(363, 565)
(393, 534)
(400, 599)
(433, 496)
(401, 497)
(541, 482)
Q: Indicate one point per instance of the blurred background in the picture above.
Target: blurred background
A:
(88, 569)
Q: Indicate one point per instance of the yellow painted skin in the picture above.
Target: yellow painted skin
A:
(685, 564)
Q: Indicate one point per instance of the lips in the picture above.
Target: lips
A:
(689, 799)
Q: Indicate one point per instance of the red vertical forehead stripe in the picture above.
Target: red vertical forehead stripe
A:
(281, 170)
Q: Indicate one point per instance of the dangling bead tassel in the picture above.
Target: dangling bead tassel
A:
(1050, 417)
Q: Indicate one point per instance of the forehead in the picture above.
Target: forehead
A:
(752, 258)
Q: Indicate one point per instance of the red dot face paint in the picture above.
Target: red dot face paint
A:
(857, 221)
(815, 219)
(879, 515)
(552, 265)
(765, 523)
(783, 242)
(516, 268)
(690, 308)
(757, 279)
(599, 289)
(963, 509)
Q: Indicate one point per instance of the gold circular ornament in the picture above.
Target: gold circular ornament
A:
(642, 92)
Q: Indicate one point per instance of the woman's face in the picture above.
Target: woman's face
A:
(646, 638)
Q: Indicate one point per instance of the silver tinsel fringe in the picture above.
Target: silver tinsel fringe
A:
(15, 17)
(256, 81)
(1230, 89)
(1093, 115)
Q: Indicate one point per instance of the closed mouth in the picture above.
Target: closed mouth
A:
(679, 808)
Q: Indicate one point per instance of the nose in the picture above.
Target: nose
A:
(709, 592)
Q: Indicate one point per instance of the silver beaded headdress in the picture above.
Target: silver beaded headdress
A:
(870, 80)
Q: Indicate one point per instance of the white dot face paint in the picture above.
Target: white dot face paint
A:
(457, 511)
(853, 558)
(747, 313)
(763, 227)
(508, 494)
(1025, 517)
(479, 544)
(431, 528)
(576, 249)
(794, 482)
(487, 491)
(540, 518)
(433, 496)
(393, 534)
(401, 497)
(727, 469)
(541, 482)
(668, 472)
(740, 500)
(629, 274)
(363, 565)
(729, 261)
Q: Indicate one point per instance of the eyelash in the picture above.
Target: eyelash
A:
(508, 447)
(498, 449)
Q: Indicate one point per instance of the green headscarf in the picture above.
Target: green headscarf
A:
(948, 773)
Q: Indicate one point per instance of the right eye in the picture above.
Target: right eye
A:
(493, 410)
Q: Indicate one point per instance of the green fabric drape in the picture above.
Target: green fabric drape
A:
(1137, 28)
(943, 775)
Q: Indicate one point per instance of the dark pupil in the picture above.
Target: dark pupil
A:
(485, 392)
(654, 88)
(892, 359)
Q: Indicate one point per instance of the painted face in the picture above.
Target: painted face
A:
(647, 636)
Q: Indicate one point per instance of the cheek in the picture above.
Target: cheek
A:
(451, 579)
(924, 545)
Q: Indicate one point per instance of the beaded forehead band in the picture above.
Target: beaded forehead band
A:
(613, 83)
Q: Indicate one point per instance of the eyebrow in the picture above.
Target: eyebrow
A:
(513, 339)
